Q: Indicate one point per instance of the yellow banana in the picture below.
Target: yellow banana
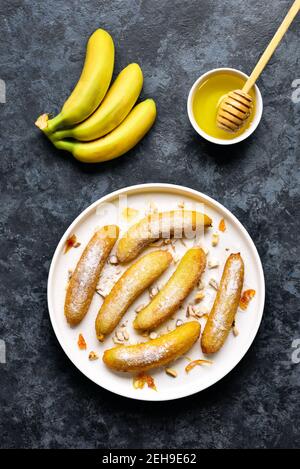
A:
(115, 107)
(117, 142)
(91, 87)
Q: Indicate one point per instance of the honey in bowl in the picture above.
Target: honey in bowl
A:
(207, 98)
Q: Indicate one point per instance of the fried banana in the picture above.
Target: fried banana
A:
(131, 284)
(170, 297)
(85, 277)
(155, 353)
(177, 223)
(225, 306)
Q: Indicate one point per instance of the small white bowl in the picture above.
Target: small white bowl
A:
(221, 141)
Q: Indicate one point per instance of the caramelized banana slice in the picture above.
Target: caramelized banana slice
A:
(85, 277)
(170, 297)
(225, 305)
(178, 223)
(155, 353)
(133, 282)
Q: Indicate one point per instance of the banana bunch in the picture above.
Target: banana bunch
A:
(97, 123)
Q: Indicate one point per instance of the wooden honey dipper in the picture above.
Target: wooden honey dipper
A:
(236, 107)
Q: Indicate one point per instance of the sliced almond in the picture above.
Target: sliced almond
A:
(213, 263)
(117, 341)
(70, 243)
(153, 335)
(176, 258)
(81, 342)
(194, 363)
(93, 356)
(246, 297)
(140, 307)
(172, 246)
(199, 296)
(200, 311)
(153, 292)
(205, 316)
(171, 372)
(189, 311)
(215, 239)
(113, 260)
(101, 292)
(119, 335)
(213, 283)
(222, 225)
(197, 315)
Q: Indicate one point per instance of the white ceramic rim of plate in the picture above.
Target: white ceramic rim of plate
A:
(159, 187)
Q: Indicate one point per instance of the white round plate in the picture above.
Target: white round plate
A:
(109, 210)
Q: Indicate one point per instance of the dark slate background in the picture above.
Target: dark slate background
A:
(45, 401)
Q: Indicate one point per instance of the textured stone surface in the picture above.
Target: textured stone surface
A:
(45, 401)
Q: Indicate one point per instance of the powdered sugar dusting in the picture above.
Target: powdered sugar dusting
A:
(173, 293)
(151, 354)
(226, 296)
(85, 271)
(131, 284)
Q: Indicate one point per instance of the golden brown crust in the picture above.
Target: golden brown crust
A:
(176, 223)
(130, 285)
(155, 353)
(178, 287)
(85, 277)
(225, 306)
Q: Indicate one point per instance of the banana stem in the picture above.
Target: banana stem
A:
(64, 145)
(48, 126)
(61, 135)
(53, 124)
